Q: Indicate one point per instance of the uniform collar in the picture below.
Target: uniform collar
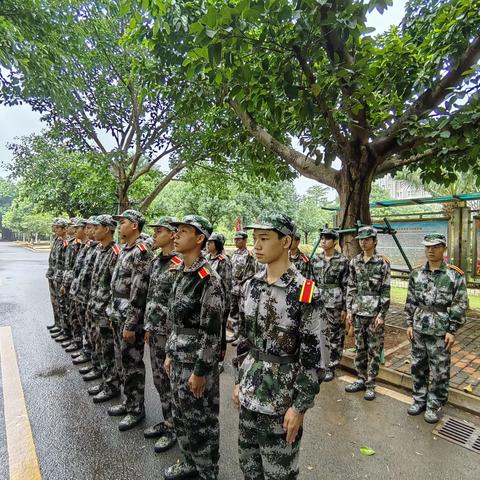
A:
(241, 250)
(198, 263)
(374, 259)
(442, 268)
(135, 243)
(283, 282)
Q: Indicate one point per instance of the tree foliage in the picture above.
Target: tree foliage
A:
(313, 70)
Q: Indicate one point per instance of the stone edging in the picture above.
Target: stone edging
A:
(456, 397)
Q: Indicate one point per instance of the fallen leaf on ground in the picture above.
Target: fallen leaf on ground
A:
(418, 453)
(367, 451)
(468, 388)
(309, 467)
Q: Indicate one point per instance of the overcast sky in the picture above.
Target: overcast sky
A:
(19, 121)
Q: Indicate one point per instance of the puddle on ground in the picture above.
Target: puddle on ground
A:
(53, 372)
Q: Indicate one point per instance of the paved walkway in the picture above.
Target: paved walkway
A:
(465, 371)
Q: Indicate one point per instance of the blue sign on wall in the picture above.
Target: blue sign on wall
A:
(410, 235)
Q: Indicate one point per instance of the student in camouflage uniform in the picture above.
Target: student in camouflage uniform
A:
(368, 300)
(100, 298)
(74, 246)
(243, 267)
(79, 292)
(196, 311)
(223, 266)
(435, 307)
(67, 264)
(69, 276)
(298, 258)
(329, 270)
(58, 283)
(129, 296)
(285, 344)
(158, 328)
(58, 229)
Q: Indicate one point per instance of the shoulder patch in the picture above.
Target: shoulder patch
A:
(116, 249)
(304, 258)
(306, 293)
(65, 243)
(142, 247)
(221, 257)
(454, 267)
(203, 273)
(176, 260)
(99, 245)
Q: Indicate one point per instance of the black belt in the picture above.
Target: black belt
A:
(433, 308)
(120, 295)
(268, 357)
(185, 331)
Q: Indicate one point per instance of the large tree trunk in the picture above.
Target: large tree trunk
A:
(123, 200)
(353, 186)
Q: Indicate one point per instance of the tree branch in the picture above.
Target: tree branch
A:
(429, 99)
(300, 162)
(163, 183)
(324, 109)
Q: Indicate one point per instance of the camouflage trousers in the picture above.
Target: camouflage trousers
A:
(77, 320)
(264, 453)
(160, 377)
(64, 310)
(369, 346)
(196, 420)
(130, 367)
(81, 330)
(336, 335)
(234, 312)
(91, 333)
(430, 370)
(54, 300)
(106, 355)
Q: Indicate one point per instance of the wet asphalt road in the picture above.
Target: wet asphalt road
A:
(76, 439)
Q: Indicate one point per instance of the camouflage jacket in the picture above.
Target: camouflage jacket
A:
(130, 285)
(77, 268)
(55, 249)
(368, 292)
(223, 266)
(71, 254)
(331, 278)
(60, 263)
(302, 263)
(81, 290)
(162, 274)
(243, 267)
(100, 296)
(281, 319)
(436, 301)
(197, 303)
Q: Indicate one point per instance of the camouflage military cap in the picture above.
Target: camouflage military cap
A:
(79, 222)
(61, 222)
(296, 236)
(200, 223)
(133, 215)
(217, 237)
(54, 221)
(241, 235)
(432, 239)
(165, 222)
(72, 221)
(366, 232)
(275, 221)
(91, 220)
(105, 221)
(328, 232)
